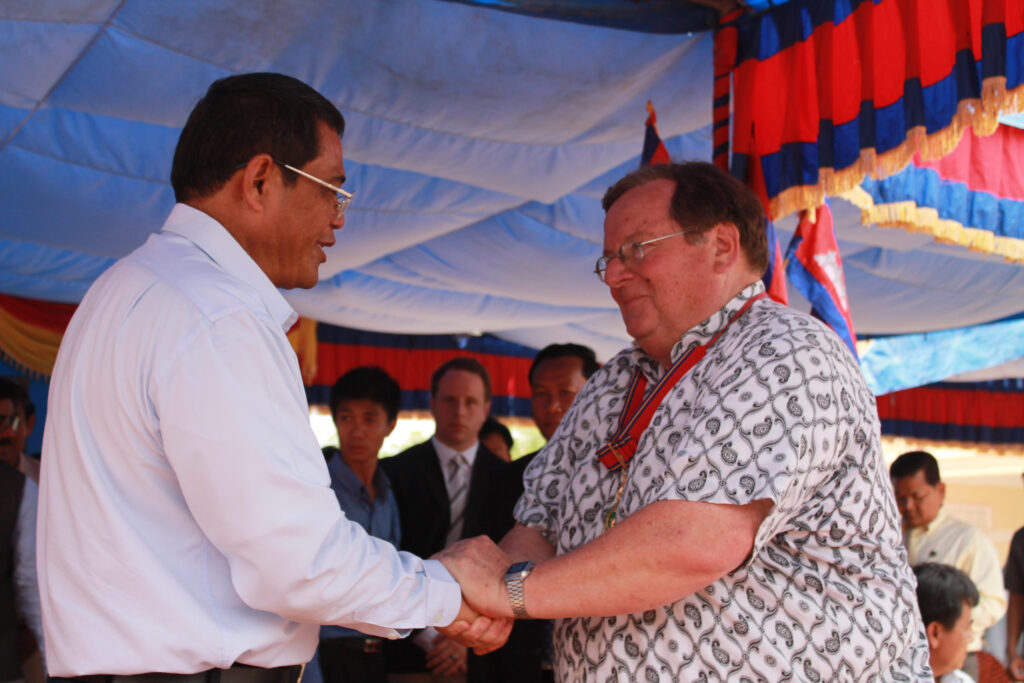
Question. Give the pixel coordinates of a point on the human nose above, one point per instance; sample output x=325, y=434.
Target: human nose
x=615, y=271
x=339, y=221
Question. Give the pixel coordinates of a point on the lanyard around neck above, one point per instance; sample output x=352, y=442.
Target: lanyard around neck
x=640, y=409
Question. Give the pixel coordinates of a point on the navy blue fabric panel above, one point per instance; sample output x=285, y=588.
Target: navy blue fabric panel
x=486, y=343
x=1014, y=385
x=939, y=102
x=993, y=50
x=953, y=432
x=739, y=167
x=890, y=125
x=652, y=16
x=501, y=406
x=794, y=164
x=765, y=35
x=966, y=73
x=1014, y=61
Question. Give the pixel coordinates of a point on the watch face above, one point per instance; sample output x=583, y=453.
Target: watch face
x=519, y=568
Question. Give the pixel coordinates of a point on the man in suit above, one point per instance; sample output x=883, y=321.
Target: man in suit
x=447, y=488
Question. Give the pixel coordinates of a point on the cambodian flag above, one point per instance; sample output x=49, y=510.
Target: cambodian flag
x=654, y=149
x=816, y=270
x=774, y=278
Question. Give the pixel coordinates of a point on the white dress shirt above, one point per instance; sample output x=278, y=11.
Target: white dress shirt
x=186, y=515
x=445, y=454
x=951, y=541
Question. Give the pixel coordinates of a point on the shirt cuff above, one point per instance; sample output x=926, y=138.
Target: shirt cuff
x=424, y=639
x=444, y=597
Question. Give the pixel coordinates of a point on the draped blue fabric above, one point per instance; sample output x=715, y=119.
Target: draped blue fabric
x=478, y=144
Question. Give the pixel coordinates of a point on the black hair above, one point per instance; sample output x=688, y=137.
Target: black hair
x=912, y=462
x=942, y=591
x=704, y=197
x=367, y=383
x=462, y=363
x=245, y=115
x=492, y=426
x=18, y=395
x=551, y=351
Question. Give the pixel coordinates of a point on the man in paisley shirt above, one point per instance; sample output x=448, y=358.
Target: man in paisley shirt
x=714, y=506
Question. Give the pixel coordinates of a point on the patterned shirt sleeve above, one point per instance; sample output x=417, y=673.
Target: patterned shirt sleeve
x=773, y=417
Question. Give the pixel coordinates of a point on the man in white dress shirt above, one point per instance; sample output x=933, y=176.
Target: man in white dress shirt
x=932, y=535
x=187, y=524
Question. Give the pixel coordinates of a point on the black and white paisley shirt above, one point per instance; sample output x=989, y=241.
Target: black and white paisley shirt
x=777, y=409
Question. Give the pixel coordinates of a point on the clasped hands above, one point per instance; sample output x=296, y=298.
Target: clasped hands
x=485, y=617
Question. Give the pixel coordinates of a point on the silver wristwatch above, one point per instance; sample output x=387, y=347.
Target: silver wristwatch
x=514, y=577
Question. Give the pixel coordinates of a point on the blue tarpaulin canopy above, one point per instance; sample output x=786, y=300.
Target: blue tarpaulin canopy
x=478, y=145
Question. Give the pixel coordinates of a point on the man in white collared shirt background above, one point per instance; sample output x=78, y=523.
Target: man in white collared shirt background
x=931, y=535
x=187, y=525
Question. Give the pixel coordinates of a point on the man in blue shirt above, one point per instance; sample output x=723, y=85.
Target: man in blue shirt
x=364, y=403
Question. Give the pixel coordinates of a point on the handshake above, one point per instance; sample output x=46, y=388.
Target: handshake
x=485, y=618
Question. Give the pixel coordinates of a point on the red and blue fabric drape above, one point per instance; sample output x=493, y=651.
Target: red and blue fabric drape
x=412, y=359
x=825, y=91
x=30, y=333
x=979, y=412
x=973, y=196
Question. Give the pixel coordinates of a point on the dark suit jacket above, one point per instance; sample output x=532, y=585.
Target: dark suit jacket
x=423, y=507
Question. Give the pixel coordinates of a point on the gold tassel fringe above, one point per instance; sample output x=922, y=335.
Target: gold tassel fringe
x=913, y=218
x=982, y=116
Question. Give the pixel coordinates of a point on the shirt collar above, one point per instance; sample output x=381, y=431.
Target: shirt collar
x=217, y=243
x=939, y=519
x=353, y=486
x=446, y=453
x=701, y=333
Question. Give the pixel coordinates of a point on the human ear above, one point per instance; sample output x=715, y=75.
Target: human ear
x=254, y=178
x=725, y=238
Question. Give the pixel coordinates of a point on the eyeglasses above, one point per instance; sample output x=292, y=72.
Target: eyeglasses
x=343, y=198
x=11, y=422
x=631, y=254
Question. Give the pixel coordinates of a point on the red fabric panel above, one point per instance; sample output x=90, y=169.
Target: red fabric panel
x=887, y=44
x=725, y=57
x=993, y=164
x=46, y=314
x=413, y=369
x=953, y=406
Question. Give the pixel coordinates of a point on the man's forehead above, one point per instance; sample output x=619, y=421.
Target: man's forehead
x=638, y=214
x=913, y=482
x=361, y=405
x=460, y=382
x=564, y=368
x=8, y=407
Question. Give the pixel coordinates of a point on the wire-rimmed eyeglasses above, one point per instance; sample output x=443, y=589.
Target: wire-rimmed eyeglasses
x=631, y=254
x=343, y=197
x=11, y=422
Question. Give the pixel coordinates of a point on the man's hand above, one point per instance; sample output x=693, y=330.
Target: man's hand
x=446, y=658
x=1016, y=667
x=479, y=566
x=471, y=629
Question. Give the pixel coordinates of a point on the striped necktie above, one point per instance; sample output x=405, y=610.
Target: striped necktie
x=458, y=490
